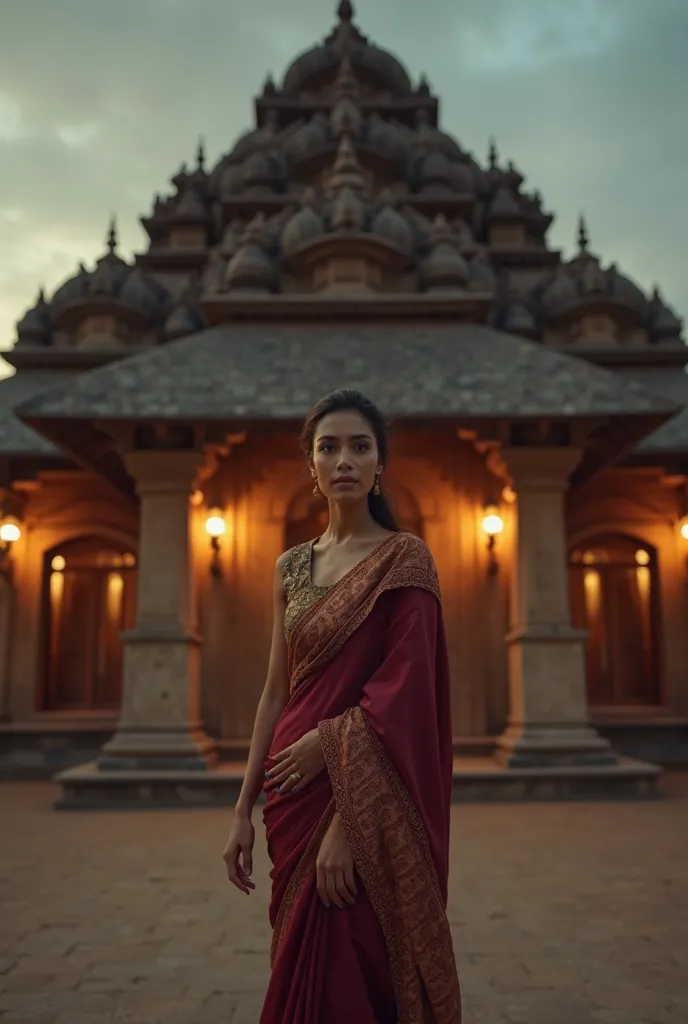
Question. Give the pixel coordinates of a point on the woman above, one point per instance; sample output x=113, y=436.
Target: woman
x=353, y=736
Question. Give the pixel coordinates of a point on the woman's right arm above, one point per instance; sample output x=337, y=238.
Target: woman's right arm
x=238, y=853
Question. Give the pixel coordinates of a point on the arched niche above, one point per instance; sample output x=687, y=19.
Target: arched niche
x=614, y=591
x=89, y=599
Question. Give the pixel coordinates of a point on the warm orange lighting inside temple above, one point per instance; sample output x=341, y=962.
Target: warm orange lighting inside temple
x=115, y=589
x=684, y=527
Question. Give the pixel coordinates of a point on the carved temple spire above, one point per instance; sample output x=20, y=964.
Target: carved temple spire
x=112, y=240
x=345, y=11
x=583, y=236
x=347, y=171
x=200, y=154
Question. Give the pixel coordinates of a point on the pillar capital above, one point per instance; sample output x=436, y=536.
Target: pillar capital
x=164, y=471
x=541, y=468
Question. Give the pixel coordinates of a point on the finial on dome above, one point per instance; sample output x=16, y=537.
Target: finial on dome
x=112, y=237
x=583, y=237
x=200, y=154
x=493, y=153
x=345, y=11
x=269, y=87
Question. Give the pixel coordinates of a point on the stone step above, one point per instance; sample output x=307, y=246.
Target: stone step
x=478, y=779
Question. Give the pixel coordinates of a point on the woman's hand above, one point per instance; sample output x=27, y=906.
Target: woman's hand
x=303, y=758
x=335, y=868
x=238, y=853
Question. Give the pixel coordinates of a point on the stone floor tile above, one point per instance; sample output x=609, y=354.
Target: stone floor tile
x=561, y=914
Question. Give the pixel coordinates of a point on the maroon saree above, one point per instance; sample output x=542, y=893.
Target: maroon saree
x=368, y=668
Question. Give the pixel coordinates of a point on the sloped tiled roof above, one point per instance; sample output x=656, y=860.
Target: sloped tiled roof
x=276, y=372
x=673, y=435
x=15, y=437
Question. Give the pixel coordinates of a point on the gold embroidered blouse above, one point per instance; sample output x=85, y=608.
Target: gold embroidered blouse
x=299, y=590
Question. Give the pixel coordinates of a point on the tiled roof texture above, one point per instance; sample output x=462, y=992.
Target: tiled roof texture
x=276, y=372
x=15, y=437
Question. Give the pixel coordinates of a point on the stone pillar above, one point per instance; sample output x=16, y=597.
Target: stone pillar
x=548, y=719
x=160, y=726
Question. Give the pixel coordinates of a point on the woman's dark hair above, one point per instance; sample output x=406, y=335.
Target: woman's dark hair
x=346, y=400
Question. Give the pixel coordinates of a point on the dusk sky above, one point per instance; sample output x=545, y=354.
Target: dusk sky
x=100, y=102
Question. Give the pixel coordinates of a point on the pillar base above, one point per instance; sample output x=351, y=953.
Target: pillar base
x=158, y=750
x=159, y=729
x=548, y=747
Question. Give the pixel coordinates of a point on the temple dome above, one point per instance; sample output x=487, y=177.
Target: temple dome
x=34, y=327
x=73, y=289
x=314, y=65
x=304, y=226
x=250, y=269
x=584, y=278
x=445, y=268
x=112, y=281
x=140, y=293
x=662, y=321
x=393, y=227
x=386, y=138
x=310, y=138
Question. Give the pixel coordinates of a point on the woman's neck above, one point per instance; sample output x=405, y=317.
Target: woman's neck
x=349, y=521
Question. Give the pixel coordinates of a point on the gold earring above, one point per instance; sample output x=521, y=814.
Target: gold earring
x=316, y=490
x=376, y=488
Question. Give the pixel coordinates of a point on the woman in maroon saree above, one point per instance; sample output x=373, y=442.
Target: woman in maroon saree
x=359, y=766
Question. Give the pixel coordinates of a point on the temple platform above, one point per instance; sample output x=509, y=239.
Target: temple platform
x=476, y=780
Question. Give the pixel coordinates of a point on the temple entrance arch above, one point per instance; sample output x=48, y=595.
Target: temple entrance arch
x=614, y=589
x=89, y=598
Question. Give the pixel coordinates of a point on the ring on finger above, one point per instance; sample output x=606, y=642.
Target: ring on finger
x=296, y=776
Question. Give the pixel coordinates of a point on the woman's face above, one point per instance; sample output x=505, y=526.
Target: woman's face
x=345, y=458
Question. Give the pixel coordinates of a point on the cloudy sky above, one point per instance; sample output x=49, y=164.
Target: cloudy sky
x=100, y=102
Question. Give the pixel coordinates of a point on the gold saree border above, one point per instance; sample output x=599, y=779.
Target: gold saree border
x=401, y=561
x=392, y=855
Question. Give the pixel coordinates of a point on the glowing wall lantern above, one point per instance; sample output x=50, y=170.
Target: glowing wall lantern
x=215, y=527
x=10, y=533
x=492, y=525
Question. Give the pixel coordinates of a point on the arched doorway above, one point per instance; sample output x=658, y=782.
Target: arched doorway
x=89, y=596
x=307, y=516
x=613, y=586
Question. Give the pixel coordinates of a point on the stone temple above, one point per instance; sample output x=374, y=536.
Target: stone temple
x=540, y=446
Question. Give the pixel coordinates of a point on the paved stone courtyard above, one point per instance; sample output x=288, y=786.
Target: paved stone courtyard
x=562, y=914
